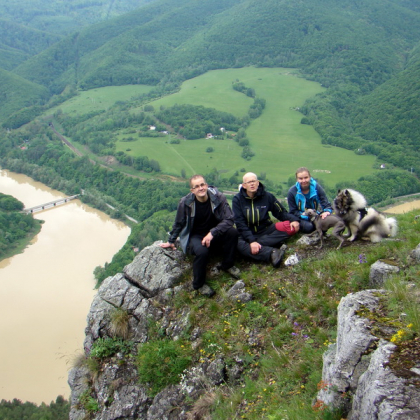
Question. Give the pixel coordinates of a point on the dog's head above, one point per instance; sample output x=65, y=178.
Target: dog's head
x=342, y=202
x=311, y=213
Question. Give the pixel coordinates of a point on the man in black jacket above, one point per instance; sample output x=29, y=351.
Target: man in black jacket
x=203, y=221
x=259, y=237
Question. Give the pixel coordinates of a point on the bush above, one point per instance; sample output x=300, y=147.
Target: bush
x=161, y=362
x=107, y=347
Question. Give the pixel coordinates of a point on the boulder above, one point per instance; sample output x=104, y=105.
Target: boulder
x=379, y=272
x=156, y=269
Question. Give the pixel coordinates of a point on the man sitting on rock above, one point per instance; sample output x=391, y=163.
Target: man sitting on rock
x=204, y=221
x=259, y=237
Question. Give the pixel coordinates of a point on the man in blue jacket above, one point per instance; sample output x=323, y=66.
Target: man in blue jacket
x=259, y=237
x=307, y=194
x=204, y=221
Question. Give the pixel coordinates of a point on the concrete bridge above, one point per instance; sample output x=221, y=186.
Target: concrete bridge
x=51, y=204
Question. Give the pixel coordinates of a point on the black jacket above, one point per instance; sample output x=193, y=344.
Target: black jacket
x=251, y=214
x=185, y=214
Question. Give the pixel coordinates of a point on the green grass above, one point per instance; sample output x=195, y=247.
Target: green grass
x=100, y=98
x=280, y=142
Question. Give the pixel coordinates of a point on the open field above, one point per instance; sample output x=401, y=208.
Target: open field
x=99, y=99
x=280, y=142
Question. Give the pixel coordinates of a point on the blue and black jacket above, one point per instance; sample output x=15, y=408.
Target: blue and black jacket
x=317, y=200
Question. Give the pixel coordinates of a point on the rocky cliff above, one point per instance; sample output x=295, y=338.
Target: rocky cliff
x=357, y=378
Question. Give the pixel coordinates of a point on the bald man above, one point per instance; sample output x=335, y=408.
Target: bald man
x=259, y=237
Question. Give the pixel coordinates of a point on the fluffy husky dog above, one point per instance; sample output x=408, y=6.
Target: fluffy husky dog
x=350, y=206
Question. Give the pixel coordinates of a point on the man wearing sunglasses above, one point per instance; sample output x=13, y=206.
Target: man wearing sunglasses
x=204, y=221
x=259, y=237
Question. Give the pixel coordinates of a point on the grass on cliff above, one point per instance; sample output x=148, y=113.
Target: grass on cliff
x=279, y=337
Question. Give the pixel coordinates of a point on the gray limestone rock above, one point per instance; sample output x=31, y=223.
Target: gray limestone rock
x=308, y=240
x=379, y=272
x=155, y=269
x=78, y=382
x=237, y=292
x=114, y=293
x=168, y=405
x=414, y=257
x=342, y=360
x=119, y=394
x=380, y=395
x=357, y=365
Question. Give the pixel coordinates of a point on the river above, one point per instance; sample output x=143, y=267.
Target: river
x=47, y=290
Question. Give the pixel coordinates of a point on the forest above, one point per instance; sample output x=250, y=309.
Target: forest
x=18, y=410
x=14, y=225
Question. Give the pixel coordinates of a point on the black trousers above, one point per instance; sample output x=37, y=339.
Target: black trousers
x=269, y=239
x=224, y=244
x=306, y=226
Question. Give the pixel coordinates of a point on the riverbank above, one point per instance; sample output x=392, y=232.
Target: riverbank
x=19, y=246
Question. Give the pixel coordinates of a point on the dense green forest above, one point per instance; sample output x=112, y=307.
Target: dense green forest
x=14, y=225
x=18, y=410
x=364, y=52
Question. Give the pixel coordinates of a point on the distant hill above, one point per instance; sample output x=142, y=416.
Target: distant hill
x=351, y=47
x=17, y=93
x=362, y=44
x=64, y=17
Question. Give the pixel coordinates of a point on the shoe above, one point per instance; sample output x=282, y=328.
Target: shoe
x=233, y=271
x=206, y=290
x=277, y=255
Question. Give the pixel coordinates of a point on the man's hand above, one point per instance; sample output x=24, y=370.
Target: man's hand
x=255, y=248
x=207, y=239
x=295, y=226
x=167, y=245
x=325, y=214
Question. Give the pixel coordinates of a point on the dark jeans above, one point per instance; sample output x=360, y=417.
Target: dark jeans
x=225, y=243
x=306, y=226
x=269, y=239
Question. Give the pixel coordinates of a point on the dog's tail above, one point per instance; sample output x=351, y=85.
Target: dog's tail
x=377, y=226
x=392, y=226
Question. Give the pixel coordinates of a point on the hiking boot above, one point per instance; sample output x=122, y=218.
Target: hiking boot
x=277, y=255
x=206, y=290
x=233, y=271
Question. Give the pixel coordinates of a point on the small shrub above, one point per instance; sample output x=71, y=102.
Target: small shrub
x=88, y=402
x=107, y=347
x=161, y=362
x=119, y=323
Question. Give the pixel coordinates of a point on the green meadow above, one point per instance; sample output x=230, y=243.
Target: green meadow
x=100, y=99
x=281, y=144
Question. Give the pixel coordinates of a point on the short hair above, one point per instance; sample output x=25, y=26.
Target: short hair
x=195, y=177
x=250, y=173
x=302, y=169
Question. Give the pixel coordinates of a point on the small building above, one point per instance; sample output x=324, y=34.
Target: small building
x=209, y=136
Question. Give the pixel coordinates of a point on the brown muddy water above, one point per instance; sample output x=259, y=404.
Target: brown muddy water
x=404, y=208
x=46, y=291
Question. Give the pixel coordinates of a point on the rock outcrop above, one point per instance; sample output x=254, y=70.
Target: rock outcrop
x=143, y=292
x=356, y=376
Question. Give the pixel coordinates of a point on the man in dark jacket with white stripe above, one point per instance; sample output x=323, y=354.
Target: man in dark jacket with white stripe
x=204, y=220
x=259, y=237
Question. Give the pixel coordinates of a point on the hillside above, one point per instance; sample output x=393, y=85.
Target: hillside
x=192, y=36
x=352, y=48
x=61, y=18
x=17, y=93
